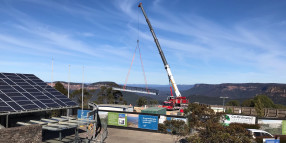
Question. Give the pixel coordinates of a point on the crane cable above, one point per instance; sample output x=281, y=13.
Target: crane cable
x=142, y=66
x=124, y=87
x=145, y=79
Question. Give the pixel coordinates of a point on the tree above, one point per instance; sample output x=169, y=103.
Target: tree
x=210, y=130
x=216, y=133
x=200, y=115
x=259, y=108
x=228, y=111
x=178, y=128
x=141, y=101
x=265, y=101
x=108, y=96
x=232, y=103
x=153, y=102
x=60, y=87
x=78, y=95
x=248, y=103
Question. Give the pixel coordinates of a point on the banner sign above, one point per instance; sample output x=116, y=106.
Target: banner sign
x=239, y=119
x=162, y=119
x=284, y=127
x=82, y=114
x=132, y=120
x=148, y=122
x=275, y=127
x=117, y=119
x=271, y=140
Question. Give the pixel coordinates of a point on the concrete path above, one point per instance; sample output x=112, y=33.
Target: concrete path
x=115, y=136
x=125, y=136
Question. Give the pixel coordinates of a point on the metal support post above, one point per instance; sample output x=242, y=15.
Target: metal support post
x=223, y=100
x=7, y=121
x=60, y=135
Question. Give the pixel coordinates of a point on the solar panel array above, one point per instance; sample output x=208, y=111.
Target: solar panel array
x=25, y=92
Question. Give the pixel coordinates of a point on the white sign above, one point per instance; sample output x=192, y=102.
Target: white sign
x=162, y=119
x=239, y=119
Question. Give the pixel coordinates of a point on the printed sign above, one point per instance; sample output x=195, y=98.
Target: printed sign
x=121, y=120
x=284, y=127
x=162, y=119
x=173, y=118
x=82, y=114
x=275, y=127
x=271, y=140
x=117, y=119
x=132, y=120
x=239, y=119
x=148, y=122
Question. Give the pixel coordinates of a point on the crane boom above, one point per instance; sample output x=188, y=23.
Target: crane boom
x=167, y=67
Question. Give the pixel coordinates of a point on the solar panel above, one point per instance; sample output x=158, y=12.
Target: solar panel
x=25, y=92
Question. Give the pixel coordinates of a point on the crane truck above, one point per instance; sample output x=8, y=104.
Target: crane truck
x=172, y=103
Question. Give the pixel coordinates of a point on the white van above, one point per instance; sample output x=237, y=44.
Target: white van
x=260, y=133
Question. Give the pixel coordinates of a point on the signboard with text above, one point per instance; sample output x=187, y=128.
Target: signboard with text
x=117, y=119
x=275, y=127
x=239, y=119
x=82, y=114
x=148, y=122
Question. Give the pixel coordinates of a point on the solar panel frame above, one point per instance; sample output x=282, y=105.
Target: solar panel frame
x=26, y=92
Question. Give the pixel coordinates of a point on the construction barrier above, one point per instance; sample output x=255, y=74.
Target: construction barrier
x=273, y=126
x=136, y=120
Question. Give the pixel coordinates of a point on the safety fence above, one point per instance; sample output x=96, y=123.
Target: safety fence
x=133, y=120
x=272, y=125
x=267, y=112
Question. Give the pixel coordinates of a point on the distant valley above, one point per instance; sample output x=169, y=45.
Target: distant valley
x=203, y=93
x=237, y=91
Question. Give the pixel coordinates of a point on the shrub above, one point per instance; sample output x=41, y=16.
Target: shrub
x=162, y=128
x=248, y=126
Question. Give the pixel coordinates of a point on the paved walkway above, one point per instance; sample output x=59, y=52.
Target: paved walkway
x=115, y=136
x=125, y=136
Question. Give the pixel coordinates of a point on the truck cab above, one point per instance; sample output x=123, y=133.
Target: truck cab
x=168, y=105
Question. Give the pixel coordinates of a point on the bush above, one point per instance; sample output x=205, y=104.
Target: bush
x=228, y=111
x=177, y=127
x=260, y=139
x=248, y=126
x=162, y=128
x=216, y=133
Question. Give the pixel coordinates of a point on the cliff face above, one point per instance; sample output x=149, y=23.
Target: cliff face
x=77, y=86
x=210, y=93
x=277, y=92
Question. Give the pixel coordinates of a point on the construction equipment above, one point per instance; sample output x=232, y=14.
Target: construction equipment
x=172, y=102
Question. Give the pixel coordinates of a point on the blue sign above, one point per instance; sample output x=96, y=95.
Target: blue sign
x=271, y=140
x=148, y=122
x=82, y=114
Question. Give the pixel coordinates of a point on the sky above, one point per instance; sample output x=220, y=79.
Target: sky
x=203, y=41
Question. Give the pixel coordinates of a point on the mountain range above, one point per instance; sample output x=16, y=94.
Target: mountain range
x=203, y=93
x=238, y=91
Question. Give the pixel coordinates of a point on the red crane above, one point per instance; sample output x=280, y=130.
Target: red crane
x=172, y=102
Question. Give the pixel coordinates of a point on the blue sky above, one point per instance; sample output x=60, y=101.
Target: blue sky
x=203, y=41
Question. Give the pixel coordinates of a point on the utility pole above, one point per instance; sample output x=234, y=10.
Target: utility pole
x=223, y=100
x=82, y=88
x=52, y=72
x=68, y=111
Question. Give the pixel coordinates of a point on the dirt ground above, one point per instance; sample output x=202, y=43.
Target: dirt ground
x=115, y=136
x=125, y=136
